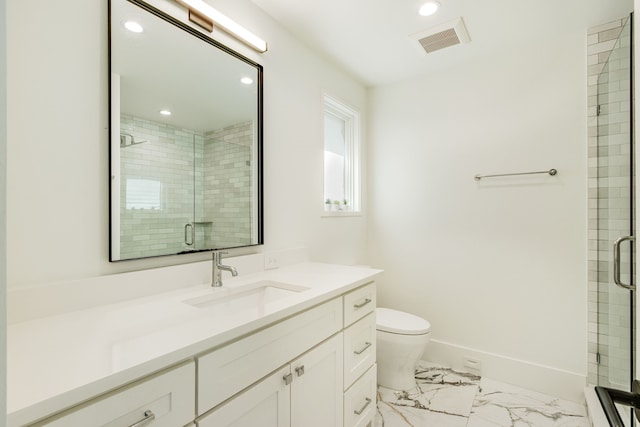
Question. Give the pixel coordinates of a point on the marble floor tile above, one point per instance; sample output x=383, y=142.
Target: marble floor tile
x=446, y=398
x=442, y=397
x=499, y=404
x=392, y=416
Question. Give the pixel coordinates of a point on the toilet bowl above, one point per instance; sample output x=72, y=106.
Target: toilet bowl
x=401, y=339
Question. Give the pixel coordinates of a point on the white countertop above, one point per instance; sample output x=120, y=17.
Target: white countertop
x=58, y=361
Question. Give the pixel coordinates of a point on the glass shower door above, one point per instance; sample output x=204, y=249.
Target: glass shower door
x=615, y=219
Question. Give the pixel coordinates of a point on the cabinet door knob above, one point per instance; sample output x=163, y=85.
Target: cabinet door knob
x=300, y=370
x=287, y=379
x=148, y=417
x=362, y=304
x=361, y=410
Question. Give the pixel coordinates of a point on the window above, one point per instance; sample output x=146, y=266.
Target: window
x=144, y=194
x=341, y=157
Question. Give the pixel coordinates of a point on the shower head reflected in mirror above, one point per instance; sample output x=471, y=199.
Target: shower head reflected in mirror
x=127, y=140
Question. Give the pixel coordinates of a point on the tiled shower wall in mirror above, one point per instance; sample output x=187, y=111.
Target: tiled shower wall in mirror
x=161, y=168
x=227, y=183
x=157, y=186
x=609, y=322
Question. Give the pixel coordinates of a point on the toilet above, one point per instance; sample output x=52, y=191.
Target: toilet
x=401, y=339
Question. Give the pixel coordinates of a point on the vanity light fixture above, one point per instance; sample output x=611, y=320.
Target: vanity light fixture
x=165, y=112
x=226, y=24
x=133, y=26
x=246, y=80
x=429, y=8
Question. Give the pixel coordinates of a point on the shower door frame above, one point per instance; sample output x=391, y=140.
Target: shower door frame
x=607, y=292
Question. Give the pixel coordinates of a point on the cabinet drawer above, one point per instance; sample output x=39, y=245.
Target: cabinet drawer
x=359, y=348
x=359, y=303
x=166, y=400
x=360, y=400
x=230, y=369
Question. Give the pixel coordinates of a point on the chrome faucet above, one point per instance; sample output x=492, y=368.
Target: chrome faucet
x=216, y=271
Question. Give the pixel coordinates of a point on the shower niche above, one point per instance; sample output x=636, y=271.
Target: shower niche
x=186, y=138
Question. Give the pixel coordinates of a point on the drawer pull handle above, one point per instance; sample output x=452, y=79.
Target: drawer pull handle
x=359, y=412
x=366, y=346
x=362, y=304
x=288, y=379
x=300, y=370
x=148, y=417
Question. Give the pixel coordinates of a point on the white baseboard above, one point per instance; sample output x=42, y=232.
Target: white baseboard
x=543, y=379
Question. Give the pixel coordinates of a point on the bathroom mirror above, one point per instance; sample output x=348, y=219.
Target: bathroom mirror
x=186, y=138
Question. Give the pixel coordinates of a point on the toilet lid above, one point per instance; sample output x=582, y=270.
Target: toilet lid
x=399, y=322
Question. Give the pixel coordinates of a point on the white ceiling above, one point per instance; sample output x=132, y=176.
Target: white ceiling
x=370, y=38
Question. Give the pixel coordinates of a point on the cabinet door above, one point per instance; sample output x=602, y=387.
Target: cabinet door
x=266, y=404
x=316, y=391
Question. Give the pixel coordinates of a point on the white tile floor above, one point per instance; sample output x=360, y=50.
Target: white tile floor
x=446, y=398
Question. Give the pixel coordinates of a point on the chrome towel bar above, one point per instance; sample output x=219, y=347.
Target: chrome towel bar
x=550, y=172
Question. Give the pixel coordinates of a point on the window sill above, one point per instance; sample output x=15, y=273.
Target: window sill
x=338, y=214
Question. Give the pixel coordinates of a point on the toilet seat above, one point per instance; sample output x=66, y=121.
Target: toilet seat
x=398, y=322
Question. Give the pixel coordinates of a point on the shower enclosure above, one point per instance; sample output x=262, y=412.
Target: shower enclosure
x=615, y=219
x=182, y=190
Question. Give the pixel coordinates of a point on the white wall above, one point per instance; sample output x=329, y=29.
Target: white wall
x=497, y=266
x=58, y=143
x=3, y=239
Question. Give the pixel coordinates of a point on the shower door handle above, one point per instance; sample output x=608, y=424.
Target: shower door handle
x=186, y=234
x=616, y=262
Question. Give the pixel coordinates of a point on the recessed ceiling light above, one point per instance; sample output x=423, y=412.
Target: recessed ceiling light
x=429, y=8
x=165, y=112
x=246, y=80
x=133, y=26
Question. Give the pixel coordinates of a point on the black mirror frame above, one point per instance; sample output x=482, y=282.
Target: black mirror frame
x=259, y=128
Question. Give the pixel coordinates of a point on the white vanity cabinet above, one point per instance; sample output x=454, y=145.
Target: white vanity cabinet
x=332, y=384
x=225, y=371
x=360, y=377
x=162, y=400
x=306, y=392
x=310, y=366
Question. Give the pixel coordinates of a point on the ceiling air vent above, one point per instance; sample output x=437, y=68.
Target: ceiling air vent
x=448, y=34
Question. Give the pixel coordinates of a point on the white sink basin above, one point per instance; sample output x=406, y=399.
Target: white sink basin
x=242, y=297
